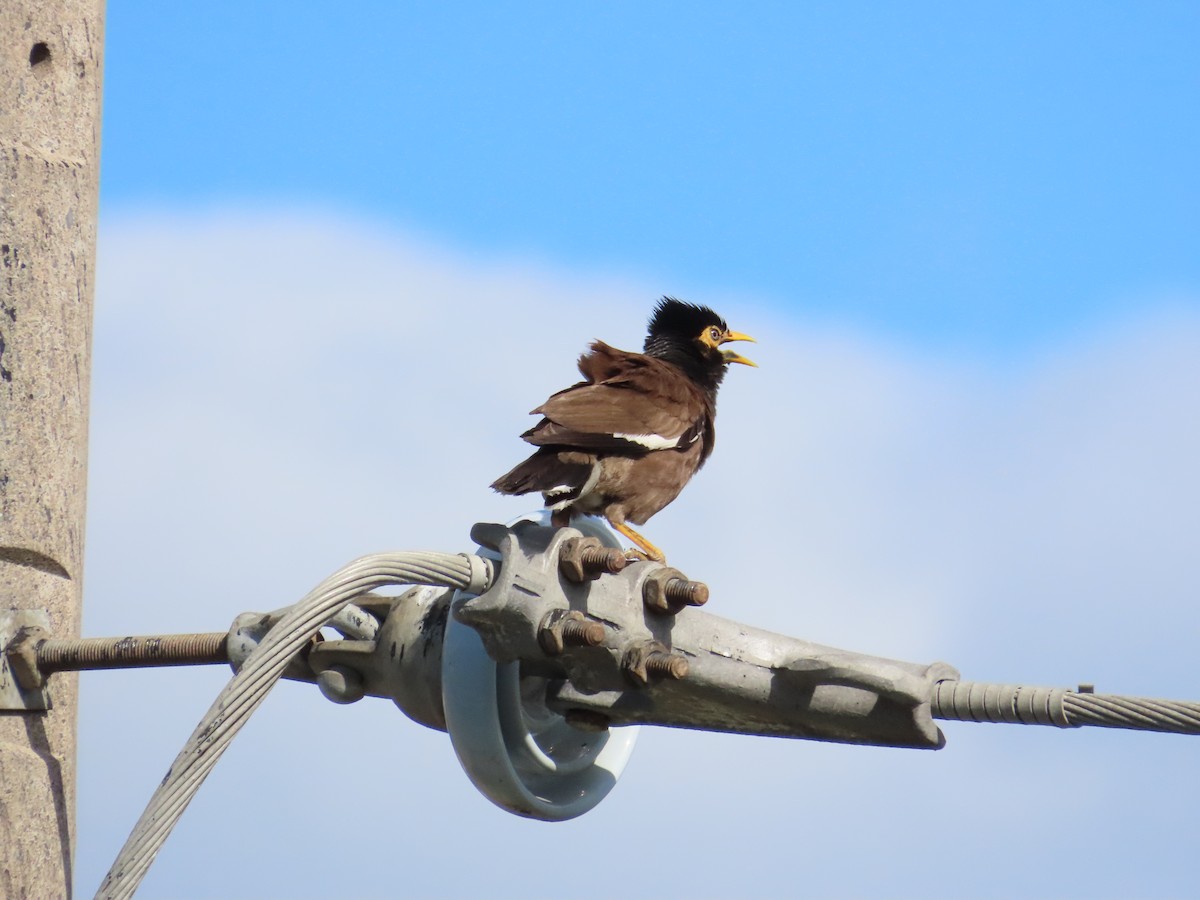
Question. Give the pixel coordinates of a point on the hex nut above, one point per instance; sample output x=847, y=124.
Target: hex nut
x=562, y=628
x=668, y=590
x=587, y=558
x=651, y=659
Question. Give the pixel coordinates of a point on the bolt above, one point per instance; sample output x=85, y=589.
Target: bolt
x=686, y=593
x=667, y=665
x=582, y=634
x=129, y=652
x=563, y=628
x=667, y=591
x=35, y=656
x=604, y=560
x=586, y=559
x=652, y=659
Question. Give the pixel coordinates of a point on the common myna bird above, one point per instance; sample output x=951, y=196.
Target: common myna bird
x=623, y=442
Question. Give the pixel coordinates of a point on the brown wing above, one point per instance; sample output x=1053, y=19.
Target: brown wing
x=630, y=402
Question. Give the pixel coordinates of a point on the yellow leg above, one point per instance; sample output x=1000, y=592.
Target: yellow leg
x=646, y=550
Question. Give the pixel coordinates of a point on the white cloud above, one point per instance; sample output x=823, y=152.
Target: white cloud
x=277, y=394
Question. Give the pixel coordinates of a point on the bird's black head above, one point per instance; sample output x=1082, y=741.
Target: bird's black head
x=690, y=336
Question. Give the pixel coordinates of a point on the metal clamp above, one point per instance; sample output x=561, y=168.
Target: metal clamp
x=22, y=689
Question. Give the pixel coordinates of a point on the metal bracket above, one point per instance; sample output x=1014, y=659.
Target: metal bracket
x=660, y=661
x=15, y=627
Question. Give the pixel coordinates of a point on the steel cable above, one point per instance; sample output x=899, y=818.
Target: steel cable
x=974, y=701
x=1109, y=711
x=262, y=669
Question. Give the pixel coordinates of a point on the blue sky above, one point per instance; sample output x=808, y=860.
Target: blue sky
x=343, y=250
x=983, y=176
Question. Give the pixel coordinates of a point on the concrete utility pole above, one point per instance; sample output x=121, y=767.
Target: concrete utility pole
x=50, y=79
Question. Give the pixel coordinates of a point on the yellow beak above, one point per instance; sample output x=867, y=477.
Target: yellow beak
x=732, y=357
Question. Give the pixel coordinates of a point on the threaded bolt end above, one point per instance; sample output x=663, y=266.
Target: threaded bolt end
x=582, y=634
x=603, y=561
x=685, y=593
x=132, y=652
x=667, y=665
x=586, y=559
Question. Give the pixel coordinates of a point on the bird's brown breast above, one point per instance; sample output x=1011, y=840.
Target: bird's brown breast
x=634, y=488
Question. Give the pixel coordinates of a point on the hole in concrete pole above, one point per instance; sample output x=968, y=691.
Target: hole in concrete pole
x=40, y=53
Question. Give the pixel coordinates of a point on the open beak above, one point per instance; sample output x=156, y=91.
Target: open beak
x=732, y=357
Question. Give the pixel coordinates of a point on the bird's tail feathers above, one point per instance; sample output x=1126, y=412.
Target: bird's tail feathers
x=545, y=471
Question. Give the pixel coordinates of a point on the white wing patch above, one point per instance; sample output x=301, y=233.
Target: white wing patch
x=563, y=495
x=650, y=441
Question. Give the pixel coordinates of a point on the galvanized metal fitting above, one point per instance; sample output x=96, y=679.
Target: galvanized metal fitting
x=587, y=720
x=667, y=591
x=22, y=654
x=651, y=659
x=562, y=628
x=23, y=686
x=586, y=559
x=341, y=684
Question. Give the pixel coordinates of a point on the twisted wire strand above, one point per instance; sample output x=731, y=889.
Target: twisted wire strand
x=974, y=701
x=1110, y=711
x=247, y=690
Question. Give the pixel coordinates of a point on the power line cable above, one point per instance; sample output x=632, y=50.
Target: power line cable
x=247, y=690
x=977, y=701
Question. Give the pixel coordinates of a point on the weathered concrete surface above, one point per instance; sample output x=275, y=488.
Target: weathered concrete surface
x=50, y=81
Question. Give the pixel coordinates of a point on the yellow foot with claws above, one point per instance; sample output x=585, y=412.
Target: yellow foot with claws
x=633, y=553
